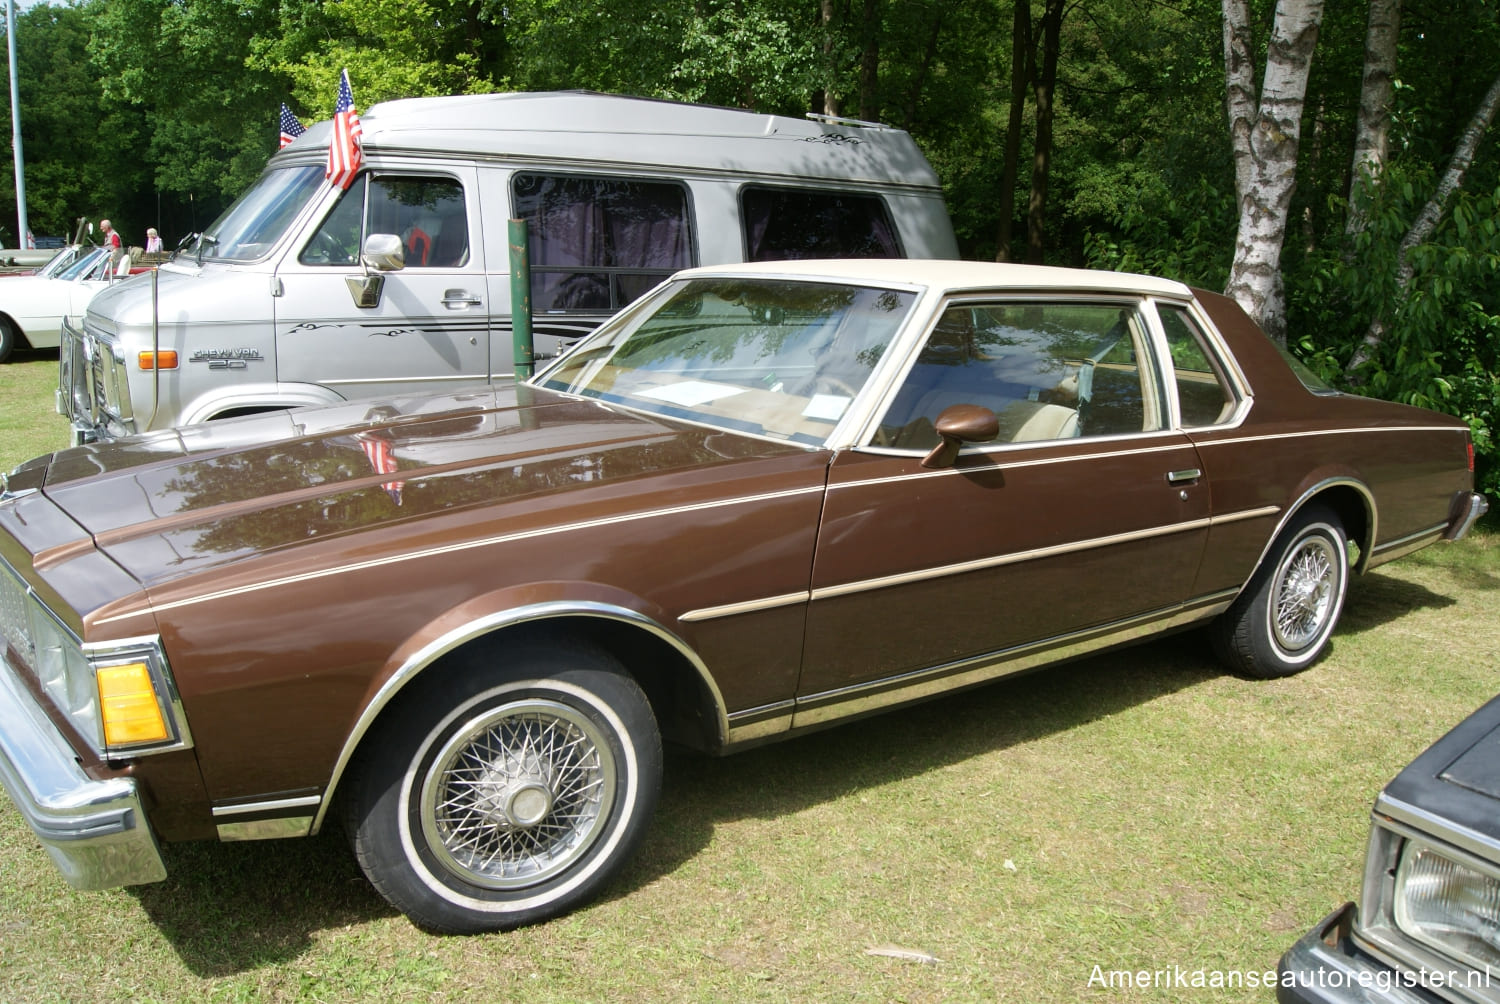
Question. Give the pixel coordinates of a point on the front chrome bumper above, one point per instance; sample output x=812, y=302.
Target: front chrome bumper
x=95, y=831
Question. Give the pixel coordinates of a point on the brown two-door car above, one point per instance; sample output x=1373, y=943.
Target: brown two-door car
x=762, y=499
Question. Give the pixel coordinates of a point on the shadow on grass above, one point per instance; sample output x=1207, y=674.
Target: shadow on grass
x=229, y=908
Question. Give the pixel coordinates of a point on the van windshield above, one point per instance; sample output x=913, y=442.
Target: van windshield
x=251, y=227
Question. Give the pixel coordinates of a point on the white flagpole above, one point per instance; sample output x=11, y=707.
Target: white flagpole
x=23, y=228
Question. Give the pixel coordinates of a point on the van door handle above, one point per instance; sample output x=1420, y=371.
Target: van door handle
x=453, y=299
x=1178, y=477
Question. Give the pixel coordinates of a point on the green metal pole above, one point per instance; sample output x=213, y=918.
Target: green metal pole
x=522, y=349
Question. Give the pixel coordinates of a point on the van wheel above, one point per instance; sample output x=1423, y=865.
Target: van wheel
x=506, y=796
x=1281, y=623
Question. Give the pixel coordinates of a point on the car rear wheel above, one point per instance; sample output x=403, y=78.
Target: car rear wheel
x=1281, y=623
x=496, y=799
x=7, y=340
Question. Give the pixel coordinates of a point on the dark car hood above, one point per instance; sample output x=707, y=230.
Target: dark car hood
x=172, y=503
x=1456, y=780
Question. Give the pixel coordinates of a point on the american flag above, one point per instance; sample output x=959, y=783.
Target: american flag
x=382, y=457
x=343, y=141
x=290, y=127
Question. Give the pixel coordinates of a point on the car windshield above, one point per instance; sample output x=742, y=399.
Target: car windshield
x=251, y=227
x=60, y=261
x=771, y=357
x=83, y=266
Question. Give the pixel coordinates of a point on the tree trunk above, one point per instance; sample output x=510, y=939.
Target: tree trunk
x=929, y=56
x=1021, y=67
x=825, y=20
x=1431, y=215
x=1041, y=162
x=1372, y=132
x=1265, y=139
x=869, y=63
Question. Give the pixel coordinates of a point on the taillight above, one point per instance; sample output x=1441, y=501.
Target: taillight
x=1470, y=444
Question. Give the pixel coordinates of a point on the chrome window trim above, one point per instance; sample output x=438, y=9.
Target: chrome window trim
x=1229, y=367
x=450, y=640
x=1173, y=437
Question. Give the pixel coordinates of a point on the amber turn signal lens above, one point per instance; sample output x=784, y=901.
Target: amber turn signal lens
x=128, y=706
x=166, y=359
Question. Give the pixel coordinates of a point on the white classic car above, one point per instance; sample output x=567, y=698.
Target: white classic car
x=32, y=307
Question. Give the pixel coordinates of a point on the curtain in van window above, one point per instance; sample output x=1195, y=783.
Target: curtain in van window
x=596, y=242
x=784, y=224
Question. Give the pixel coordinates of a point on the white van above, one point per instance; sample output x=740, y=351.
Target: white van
x=300, y=294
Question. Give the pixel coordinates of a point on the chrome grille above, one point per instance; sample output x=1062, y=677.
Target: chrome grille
x=96, y=378
x=14, y=626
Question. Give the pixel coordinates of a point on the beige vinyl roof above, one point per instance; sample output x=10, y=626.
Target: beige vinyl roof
x=958, y=276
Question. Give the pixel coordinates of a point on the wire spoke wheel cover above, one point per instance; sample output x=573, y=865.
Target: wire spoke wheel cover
x=517, y=794
x=1304, y=591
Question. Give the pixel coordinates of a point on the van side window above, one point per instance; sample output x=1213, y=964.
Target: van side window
x=599, y=242
x=426, y=213
x=789, y=223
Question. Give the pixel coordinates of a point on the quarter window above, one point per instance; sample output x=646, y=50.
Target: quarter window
x=597, y=243
x=1203, y=396
x=1047, y=370
x=793, y=223
x=426, y=213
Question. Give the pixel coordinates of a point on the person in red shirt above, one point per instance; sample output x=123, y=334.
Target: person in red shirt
x=112, y=241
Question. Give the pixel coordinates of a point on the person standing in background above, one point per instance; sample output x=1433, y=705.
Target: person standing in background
x=112, y=241
x=153, y=240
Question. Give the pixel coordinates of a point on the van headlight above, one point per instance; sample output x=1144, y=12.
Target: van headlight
x=1448, y=905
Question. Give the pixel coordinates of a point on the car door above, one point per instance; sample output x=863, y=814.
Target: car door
x=1082, y=523
x=428, y=328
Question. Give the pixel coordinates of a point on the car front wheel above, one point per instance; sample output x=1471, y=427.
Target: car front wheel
x=501, y=798
x=1281, y=623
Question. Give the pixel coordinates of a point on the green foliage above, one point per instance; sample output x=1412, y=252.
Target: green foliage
x=1180, y=236
x=1441, y=346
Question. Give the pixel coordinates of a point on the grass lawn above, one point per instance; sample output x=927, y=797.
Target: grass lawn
x=1140, y=810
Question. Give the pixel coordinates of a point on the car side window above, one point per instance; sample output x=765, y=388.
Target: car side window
x=428, y=214
x=1203, y=395
x=783, y=224
x=1047, y=370
x=599, y=242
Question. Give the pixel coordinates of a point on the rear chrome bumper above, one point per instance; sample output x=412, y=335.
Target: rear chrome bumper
x=95, y=831
x=1467, y=507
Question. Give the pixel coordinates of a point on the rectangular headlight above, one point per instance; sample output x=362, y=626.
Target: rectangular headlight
x=1448, y=905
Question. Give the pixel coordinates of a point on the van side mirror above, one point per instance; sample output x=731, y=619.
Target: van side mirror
x=383, y=253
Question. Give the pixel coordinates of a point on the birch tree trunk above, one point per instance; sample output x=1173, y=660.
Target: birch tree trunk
x=1428, y=219
x=1372, y=131
x=1265, y=138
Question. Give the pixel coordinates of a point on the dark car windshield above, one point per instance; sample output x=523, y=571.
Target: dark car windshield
x=768, y=356
x=251, y=227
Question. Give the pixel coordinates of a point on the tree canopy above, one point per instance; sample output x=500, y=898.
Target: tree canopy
x=1075, y=132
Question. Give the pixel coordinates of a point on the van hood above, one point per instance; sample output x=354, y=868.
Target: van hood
x=168, y=504
x=231, y=299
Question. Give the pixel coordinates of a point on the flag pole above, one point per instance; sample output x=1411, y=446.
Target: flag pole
x=23, y=226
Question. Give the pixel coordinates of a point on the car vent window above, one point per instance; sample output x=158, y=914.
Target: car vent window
x=1203, y=395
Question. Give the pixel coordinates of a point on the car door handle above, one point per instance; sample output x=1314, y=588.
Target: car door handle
x=1188, y=474
x=456, y=298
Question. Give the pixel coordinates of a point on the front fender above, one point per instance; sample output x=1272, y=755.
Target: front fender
x=267, y=396
x=497, y=611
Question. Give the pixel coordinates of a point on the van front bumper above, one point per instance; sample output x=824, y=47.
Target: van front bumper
x=95, y=830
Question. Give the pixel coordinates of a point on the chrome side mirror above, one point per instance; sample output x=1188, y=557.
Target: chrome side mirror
x=383, y=253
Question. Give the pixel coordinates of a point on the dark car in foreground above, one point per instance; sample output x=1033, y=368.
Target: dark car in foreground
x=761, y=500
x=1427, y=928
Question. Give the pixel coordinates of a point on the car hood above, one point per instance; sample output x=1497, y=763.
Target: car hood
x=1456, y=781
x=170, y=504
